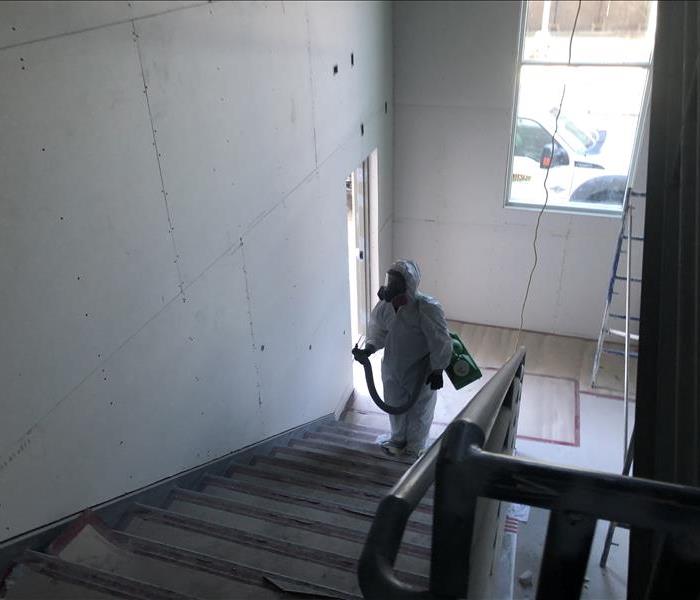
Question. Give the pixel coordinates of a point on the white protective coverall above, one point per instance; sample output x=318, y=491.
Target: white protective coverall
x=418, y=328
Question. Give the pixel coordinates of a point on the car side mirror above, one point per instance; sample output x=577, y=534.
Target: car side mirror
x=560, y=158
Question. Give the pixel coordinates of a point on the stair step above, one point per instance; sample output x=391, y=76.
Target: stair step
x=365, y=481
x=112, y=553
x=27, y=584
x=359, y=428
x=225, y=568
x=370, y=483
x=352, y=434
x=344, y=442
x=98, y=579
x=344, y=513
x=317, y=458
x=362, y=501
x=333, y=479
x=272, y=524
x=330, y=449
x=290, y=560
x=305, y=508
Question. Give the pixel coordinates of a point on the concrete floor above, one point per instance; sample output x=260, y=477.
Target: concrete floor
x=558, y=371
x=600, y=449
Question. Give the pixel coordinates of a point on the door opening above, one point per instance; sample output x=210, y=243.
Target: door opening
x=357, y=186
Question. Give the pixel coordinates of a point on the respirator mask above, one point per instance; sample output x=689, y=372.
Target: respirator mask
x=394, y=285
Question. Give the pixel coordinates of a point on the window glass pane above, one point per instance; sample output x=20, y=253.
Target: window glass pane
x=607, y=32
x=594, y=139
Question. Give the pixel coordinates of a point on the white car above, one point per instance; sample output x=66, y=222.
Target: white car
x=573, y=170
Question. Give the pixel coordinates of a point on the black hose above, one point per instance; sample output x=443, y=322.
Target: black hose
x=363, y=359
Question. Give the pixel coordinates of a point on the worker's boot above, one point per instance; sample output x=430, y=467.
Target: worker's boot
x=389, y=445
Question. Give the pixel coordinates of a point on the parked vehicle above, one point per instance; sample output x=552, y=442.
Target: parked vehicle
x=567, y=159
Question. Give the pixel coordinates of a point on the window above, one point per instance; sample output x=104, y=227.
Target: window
x=586, y=149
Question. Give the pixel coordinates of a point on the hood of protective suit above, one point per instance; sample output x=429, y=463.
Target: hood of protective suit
x=410, y=272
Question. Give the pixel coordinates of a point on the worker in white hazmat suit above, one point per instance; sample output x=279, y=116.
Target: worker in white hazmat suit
x=411, y=328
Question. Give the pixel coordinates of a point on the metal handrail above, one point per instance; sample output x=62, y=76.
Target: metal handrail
x=470, y=465
x=576, y=498
x=376, y=565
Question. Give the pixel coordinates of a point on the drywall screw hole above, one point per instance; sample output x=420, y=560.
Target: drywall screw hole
x=14, y=29
x=86, y=314
x=352, y=59
x=335, y=69
x=61, y=218
x=386, y=107
x=362, y=129
x=24, y=69
x=309, y=346
x=43, y=149
x=262, y=348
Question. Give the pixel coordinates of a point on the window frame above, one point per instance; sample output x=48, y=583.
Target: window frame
x=578, y=208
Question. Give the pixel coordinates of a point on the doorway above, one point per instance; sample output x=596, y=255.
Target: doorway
x=358, y=186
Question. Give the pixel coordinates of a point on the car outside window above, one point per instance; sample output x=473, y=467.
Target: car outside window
x=530, y=139
x=595, y=129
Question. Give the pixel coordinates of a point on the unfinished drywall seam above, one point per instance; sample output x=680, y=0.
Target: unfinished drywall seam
x=311, y=77
x=24, y=440
x=557, y=302
x=249, y=307
x=171, y=229
x=103, y=26
x=13, y=450
x=314, y=172
x=20, y=444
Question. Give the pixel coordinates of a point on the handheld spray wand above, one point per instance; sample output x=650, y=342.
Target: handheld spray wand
x=361, y=357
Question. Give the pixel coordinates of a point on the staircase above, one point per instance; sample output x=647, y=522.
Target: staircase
x=289, y=523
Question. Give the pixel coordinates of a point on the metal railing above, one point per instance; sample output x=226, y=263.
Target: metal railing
x=469, y=467
x=491, y=415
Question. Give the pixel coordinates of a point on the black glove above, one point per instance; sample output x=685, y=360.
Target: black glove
x=362, y=354
x=435, y=380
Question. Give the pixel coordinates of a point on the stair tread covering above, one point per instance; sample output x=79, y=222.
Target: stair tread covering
x=289, y=524
x=294, y=504
x=370, y=448
x=364, y=502
x=27, y=584
x=94, y=548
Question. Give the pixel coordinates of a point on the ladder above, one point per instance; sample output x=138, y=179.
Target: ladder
x=611, y=527
x=624, y=246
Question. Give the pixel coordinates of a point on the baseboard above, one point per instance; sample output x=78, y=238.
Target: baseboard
x=343, y=404
x=112, y=511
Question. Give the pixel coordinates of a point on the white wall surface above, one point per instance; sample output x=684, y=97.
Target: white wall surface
x=454, y=78
x=172, y=233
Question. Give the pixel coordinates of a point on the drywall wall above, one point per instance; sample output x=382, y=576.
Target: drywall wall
x=172, y=233
x=454, y=82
